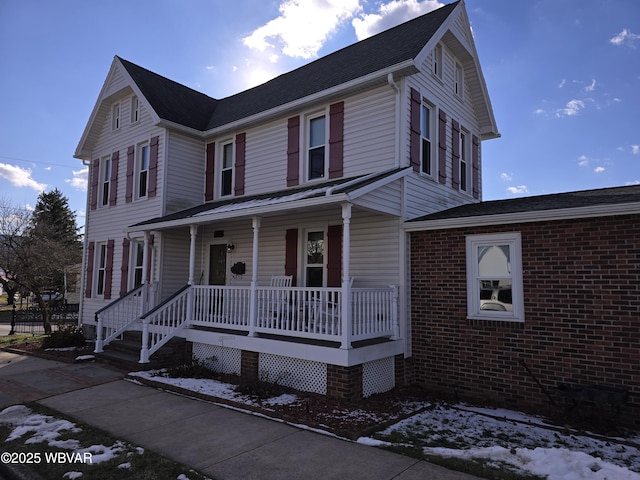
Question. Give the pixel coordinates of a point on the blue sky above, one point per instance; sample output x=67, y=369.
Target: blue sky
x=563, y=77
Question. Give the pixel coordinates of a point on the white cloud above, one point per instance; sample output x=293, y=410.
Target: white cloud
x=80, y=179
x=505, y=176
x=538, y=111
x=20, y=177
x=592, y=87
x=572, y=108
x=302, y=27
x=520, y=189
x=391, y=14
x=562, y=82
x=598, y=169
x=583, y=161
x=635, y=149
x=625, y=37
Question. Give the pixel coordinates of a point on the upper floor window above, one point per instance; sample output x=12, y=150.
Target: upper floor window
x=494, y=277
x=115, y=117
x=142, y=170
x=316, y=148
x=464, y=161
x=135, y=109
x=226, y=172
x=426, y=143
x=105, y=180
x=458, y=81
x=437, y=61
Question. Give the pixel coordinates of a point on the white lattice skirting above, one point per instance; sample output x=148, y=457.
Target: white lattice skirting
x=217, y=358
x=378, y=376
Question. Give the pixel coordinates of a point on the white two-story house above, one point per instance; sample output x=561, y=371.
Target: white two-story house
x=266, y=228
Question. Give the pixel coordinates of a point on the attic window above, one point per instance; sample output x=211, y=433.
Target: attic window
x=458, y=81
x=437, y=61
x=115, y=117
x=135, y=109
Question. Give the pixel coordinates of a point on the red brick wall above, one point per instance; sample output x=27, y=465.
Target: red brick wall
x=581, y=282
x=344, y=383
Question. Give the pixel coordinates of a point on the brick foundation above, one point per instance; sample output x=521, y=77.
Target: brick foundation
x=581, y=285
x=249, y=365
x=344, y=383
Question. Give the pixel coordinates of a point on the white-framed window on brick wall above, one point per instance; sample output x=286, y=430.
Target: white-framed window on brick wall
x=494, y=277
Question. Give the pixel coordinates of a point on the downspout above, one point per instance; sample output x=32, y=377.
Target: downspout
x=396, y=89
x=83, y=274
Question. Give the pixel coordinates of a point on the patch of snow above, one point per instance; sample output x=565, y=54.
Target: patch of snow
x=61, y=349
x=72, y=475
x=101, y=453
x=125, y=466
x=82, y=358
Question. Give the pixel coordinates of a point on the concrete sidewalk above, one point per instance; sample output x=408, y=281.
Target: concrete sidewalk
x=218, y=441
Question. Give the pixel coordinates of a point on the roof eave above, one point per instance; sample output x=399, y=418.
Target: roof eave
x=406, y=67
x=525, y=217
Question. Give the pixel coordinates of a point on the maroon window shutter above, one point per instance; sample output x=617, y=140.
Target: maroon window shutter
x=95, y=171
x=113, y=187
x=442, y=146
x=293, y=151
x=130, y=167
x=124, y=276
x=240, y=161
x=108, y=271
x=209, y=175
x=475, y=159
x=149, y=257
x=334, y=256
x=291, y=254
x=90, y=260
x=153, y=167
x=455, y=154
x=414, y=142
x=336, y=140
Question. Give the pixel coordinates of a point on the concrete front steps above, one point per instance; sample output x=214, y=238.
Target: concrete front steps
x=125, y=353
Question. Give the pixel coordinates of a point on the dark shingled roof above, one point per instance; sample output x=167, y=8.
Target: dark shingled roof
x=185, y=106
x=582, y=198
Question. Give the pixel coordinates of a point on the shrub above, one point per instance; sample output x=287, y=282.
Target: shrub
x=66, y=336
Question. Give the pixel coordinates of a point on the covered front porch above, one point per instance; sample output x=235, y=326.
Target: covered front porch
x=257, y=282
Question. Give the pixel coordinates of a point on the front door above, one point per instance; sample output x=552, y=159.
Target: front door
x=218, y=264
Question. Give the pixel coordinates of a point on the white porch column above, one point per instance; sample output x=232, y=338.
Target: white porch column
x=193, y=231
x=253, y=307
x=346, y=310
x=144, y=305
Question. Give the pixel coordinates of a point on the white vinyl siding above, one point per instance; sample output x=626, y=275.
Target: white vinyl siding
x=185, y=172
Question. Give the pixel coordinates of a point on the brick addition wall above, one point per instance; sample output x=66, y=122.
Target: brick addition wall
x=581, y=282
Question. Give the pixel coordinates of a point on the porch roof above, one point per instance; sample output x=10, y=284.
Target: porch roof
x=332, y=192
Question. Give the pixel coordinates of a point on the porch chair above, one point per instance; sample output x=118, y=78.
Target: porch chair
x=279, y=300
x=330, y=311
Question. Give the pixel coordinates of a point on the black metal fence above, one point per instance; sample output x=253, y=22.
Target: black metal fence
x=29, y=320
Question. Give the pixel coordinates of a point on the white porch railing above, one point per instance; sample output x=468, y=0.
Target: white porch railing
x=118, y=316
x=300, y=312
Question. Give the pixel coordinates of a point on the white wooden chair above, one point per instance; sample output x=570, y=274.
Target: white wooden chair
x=278, y=305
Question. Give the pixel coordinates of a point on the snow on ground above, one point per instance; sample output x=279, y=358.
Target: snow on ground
x=525, y=442
x=522, y=441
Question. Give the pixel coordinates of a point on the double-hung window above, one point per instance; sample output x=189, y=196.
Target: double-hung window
x=464, y=161
x=105, y=180
x=426, y=143
x=494, y=277
x=315, y=258
x=316, y=147
x=142, y=170
x=138, y=256
x=101, y=268
x=226, y=172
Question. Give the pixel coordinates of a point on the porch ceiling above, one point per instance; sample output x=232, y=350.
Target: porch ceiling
x=274, y=203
